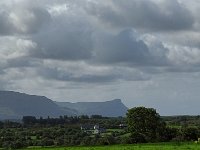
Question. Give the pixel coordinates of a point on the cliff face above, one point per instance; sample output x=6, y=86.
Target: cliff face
x=113, y=108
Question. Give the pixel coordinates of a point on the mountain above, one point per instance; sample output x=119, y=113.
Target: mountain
x=113, y=108
x=14, y=105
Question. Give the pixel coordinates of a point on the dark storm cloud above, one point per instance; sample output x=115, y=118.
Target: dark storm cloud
x=143, y=14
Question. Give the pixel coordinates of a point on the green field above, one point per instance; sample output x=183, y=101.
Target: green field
x=171, y=146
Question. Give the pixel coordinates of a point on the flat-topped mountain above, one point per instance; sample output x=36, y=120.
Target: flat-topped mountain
x=113, y=108
x=15, y=105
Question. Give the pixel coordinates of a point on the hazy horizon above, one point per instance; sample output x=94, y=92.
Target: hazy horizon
x=144, y=52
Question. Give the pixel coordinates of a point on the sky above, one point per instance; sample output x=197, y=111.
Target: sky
x=144, y=52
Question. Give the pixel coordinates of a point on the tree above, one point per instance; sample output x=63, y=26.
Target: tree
x=29, y=120
x=96, y=117
x=144, y=123
x=190, y=133
x=169, y=134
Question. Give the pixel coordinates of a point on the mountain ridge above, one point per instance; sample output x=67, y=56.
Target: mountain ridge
x=20, y=104
x=15, y=105
x=101, y=108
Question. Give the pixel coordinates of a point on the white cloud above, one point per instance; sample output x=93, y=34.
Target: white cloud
x=182, y=55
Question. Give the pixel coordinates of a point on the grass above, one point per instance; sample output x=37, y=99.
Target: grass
x=126, y=135
x=115, y=130
x=161, y=146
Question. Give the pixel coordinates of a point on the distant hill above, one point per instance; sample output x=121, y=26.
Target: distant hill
x=14, y=105
x=113, y=108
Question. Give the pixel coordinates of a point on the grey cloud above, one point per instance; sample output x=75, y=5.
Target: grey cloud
x=184, y=38
x=36, y=19
x=3, y=84
x=23, y=62
x=22, y=18
x=11, y=78
x=14, y=53
x=72, y=35
x=92, y=76
x=55, y=74
x=64, y=45
x=126, y=47
x=182, y=69
x=5, y=25
x=68, y=37
x=122, y=48
x=143, y=14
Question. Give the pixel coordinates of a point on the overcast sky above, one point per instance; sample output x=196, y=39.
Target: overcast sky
x=145, y=52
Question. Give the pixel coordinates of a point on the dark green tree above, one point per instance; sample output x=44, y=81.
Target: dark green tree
x=190, y=133
x=144, y=123
x=29, y=120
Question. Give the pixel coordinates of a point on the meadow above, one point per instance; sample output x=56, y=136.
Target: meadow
x=162, y=146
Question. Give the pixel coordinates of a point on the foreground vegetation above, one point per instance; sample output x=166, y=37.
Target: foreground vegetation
x=162, y=146
x=141, y=125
